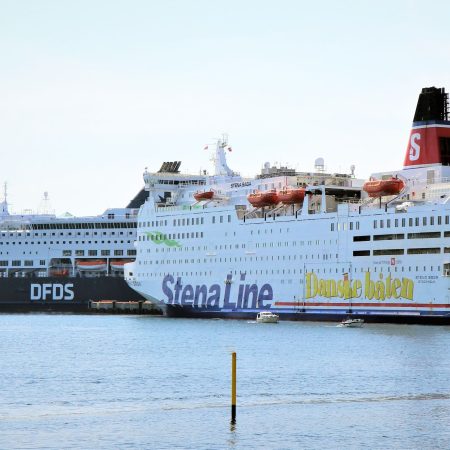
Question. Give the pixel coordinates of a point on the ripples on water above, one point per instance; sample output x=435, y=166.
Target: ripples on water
x=149, y=382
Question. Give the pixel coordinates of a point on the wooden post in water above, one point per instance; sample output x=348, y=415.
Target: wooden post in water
x=233, y=387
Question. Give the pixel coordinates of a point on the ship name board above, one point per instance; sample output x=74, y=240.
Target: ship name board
x=214, y=296
x=241, y=184
x=51, y=291
x=381, y=289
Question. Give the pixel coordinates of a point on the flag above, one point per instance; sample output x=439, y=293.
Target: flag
x=230, y=149
x=206, y=147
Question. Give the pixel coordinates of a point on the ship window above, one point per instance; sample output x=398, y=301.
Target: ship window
x=439, y=220
x=424, y=221
x=374, y=223
x=92, y=252
x=431, y=234
x=388, y=237
x=332, y=227
x=221, y=219
x=361, y=238
x=416, y=221
x=351, y=226
x=79, y=252
x=67, y=252
x=421, y=251
x=213, y=219
x=410, y=222
x=381, y=224
x=389, y=251
x=396, y=222
x=431, y=220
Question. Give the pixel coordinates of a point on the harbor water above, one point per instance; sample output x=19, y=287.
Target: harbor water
x=133, y=382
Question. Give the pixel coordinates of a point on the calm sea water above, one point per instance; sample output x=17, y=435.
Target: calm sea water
x=132, y=382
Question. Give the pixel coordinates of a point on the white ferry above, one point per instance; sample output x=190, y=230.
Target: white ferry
x=61, y=263
x=308, y=245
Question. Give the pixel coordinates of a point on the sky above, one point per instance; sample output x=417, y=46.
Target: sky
x=92, y=92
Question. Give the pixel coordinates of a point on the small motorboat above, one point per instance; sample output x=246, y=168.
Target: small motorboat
x=351, y=323
x=267, y=317
x=203, y=196
x=380, y=188
x=290, y=196
x=264, y=198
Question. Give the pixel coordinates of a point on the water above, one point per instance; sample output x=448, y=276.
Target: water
x=134, y=382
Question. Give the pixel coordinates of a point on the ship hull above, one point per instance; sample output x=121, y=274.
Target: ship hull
x=425, y=318
x=68, y=294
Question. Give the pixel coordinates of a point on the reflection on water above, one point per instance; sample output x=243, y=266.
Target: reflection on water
x=150, y=382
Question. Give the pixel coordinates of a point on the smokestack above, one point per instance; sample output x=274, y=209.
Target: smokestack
x=429, y=141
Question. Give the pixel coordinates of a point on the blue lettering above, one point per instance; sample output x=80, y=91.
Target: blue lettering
x=178, y=287
x=203, y=290
x=250, y=289
x=214, y=298
x=166, y=289
x=188, y=295
x=265, y=294
x=226, y=300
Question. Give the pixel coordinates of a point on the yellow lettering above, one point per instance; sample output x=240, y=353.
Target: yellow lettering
x=395, y=285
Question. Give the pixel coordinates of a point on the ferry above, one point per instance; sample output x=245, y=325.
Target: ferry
x=61, y=263
x=304, y=245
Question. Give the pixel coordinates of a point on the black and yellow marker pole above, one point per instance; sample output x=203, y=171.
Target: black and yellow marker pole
x=233, y=387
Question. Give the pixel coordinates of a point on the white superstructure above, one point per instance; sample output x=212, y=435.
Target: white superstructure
x=338, y=252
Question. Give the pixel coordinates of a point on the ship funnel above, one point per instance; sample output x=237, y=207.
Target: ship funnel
x=429, y=141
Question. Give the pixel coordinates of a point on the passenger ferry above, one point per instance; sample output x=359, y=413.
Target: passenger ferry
x=60, y=263
x=304, y=245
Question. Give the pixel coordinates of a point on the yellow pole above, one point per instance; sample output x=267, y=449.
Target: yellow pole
x=233, y=387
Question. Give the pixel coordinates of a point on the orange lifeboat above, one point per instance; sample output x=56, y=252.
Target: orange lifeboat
x=118, y=265
x=93, y=264
x=205, y=195
x=379, y=188
x=261, y=199
x=290, y=196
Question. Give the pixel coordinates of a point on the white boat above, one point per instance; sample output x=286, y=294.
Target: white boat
x=352, y=323
x=267, y=317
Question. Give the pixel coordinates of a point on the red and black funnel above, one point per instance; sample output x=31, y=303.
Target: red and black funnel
x=429, y=141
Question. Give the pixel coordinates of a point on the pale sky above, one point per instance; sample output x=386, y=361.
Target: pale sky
x=92, y=92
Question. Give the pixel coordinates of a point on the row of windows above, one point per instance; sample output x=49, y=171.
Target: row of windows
x=98, y=252
x=84, y=226
x=401, y=251
x=62, y=242
x=18, y=263
x=416, y=222
x=300, y=271
x=343, y=226
x=392, y=237
x=28, y=234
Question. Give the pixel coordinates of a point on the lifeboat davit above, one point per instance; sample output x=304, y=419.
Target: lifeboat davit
x=290, y=196
x=118, y=265
x=92, y=265
x=205, y=195
x=380, y=188
x=261, y=199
